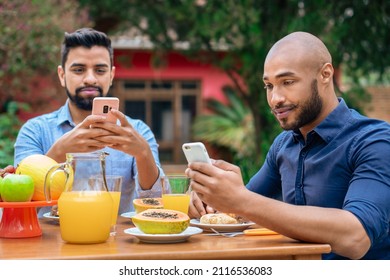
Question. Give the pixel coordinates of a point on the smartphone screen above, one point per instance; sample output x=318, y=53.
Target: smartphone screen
x=103, y=105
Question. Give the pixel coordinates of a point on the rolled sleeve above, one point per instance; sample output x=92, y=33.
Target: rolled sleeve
x=154, y=191
x=369, y=200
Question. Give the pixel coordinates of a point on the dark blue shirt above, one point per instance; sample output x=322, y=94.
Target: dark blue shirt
x=344, y=163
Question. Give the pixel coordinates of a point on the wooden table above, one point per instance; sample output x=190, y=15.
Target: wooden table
x=124, y=246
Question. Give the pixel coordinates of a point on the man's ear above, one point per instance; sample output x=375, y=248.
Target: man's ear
x=61, y=75
x=327, y=72
x=112, y=74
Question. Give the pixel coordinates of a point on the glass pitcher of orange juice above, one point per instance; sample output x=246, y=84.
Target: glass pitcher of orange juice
x=85, y=209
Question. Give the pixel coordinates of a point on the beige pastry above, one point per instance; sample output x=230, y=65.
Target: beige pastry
x=54, y=211
x=218, y=218
x=239, y=219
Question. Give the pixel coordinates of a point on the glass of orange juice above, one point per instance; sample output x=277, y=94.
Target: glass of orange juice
x=114, y=187
x=176, y=193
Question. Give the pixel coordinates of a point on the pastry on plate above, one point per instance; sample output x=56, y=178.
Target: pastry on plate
x=218, y=218
x=54, y=211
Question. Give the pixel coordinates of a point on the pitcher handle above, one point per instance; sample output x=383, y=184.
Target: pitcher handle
x=49, y=178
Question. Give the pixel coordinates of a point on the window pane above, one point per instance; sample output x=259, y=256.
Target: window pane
x=189, y=85
x=136, y=109
x=153, y=102
x=189, y=104
x=134, y=85
x=166, y=155
x=162, y=120
x=189, y=113
x=162, y=85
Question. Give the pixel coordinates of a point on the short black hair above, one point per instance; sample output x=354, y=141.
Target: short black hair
x=85, y=37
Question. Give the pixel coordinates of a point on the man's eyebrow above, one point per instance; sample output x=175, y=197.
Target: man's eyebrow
x=285, y=74
x=281, y=75
x=77, y=65
x=83, y=65
x=102, y=65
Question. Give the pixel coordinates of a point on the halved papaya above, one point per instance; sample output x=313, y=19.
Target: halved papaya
x=161, y=221
x=142, y=204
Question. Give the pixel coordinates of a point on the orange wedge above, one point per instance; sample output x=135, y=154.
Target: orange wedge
x=259, y=231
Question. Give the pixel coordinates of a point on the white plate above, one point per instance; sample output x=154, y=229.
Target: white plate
x=163, y=238
x=221, y=227
x=128, y=215
x=50, y=217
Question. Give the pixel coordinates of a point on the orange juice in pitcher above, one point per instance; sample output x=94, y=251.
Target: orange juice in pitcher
x=85, y=208
x=85, y=217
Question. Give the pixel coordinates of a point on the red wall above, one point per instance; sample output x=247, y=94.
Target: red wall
x=137, y=65
x=45, y=94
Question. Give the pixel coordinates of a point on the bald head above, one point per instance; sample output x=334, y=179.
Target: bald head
x=301, y=47
x=298, y=77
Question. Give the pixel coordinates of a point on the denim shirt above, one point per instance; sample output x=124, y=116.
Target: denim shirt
x=344, y=163
x=38, y=134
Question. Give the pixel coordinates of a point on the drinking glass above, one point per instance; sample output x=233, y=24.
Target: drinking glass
x=176, y=193
x=114, y=187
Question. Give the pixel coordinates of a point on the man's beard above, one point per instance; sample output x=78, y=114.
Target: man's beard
x=81, y=102
x=309, y=111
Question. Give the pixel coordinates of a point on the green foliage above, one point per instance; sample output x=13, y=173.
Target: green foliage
x=356, y=33
x=231, y=126
x=9, y=128
x=30, y=41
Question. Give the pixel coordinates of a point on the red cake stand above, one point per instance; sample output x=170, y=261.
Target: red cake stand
x=20, y=219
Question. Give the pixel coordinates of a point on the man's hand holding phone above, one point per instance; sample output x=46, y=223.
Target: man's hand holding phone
x=103, y=105
x=196, y=152
x=81, y=139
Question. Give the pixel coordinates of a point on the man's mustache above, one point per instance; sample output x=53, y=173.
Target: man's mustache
x=282, y=108
x=99, y=89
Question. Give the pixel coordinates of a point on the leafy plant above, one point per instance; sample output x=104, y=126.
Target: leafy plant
x=9, y=128
x=230, y=126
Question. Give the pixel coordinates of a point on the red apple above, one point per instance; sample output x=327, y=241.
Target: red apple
x=7, y=170
x=17, y=188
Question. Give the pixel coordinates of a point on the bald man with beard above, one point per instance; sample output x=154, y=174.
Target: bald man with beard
x=330, y=165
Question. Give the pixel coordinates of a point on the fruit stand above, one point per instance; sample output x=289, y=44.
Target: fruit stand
x=20, y=219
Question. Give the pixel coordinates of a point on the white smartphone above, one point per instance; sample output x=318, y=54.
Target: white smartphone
x=103, y=105
x=196, y=152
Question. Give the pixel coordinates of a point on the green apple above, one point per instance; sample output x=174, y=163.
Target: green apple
x=17, y=188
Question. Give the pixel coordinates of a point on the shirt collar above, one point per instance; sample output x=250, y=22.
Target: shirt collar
x=64, y=115
x=331, y=125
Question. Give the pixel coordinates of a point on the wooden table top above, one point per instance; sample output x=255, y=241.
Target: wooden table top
x=124, y=246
